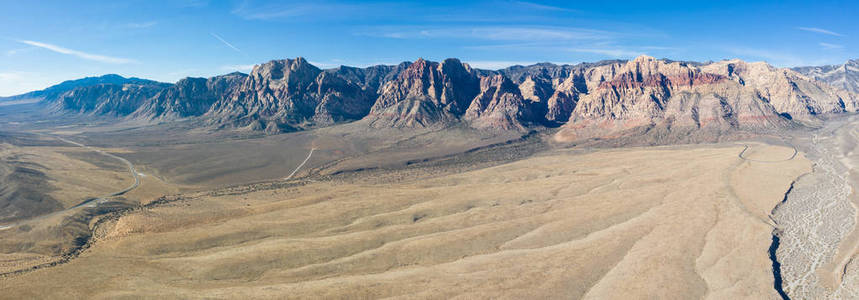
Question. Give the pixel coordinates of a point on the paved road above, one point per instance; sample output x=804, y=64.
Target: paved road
x=795, y=151
x=130, y=166
x=94, y=201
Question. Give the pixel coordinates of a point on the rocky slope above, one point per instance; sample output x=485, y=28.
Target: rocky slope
x=426, y=93
x=106, y=99
x=291, y=94
x=844, y=76
x=788, y=91
x=720, y=96
x=588, y=99
x=500, y=105
x=189, y=97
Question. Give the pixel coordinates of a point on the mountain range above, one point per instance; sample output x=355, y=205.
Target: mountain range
x=844, y=76
x=585, y=99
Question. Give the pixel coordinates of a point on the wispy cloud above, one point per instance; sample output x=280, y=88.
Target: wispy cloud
x=496, y=33
x=532, y=33
x=829, y=46
x=539, y=6
x=328, y=64
x=273, y=14
x=191, y=3
x=777, y=58
x=10, y=76
x=242, y=68
x=141, y=25
x=604, y=49
x=819, y=30
x=176, y=75
x=80, y=54
x=19, y=82
x=225, y=42
x=661, y=48
x=615, y=53
x=11, y=52
x=250, y=10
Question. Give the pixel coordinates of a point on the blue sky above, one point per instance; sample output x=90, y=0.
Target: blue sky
x=45, y=42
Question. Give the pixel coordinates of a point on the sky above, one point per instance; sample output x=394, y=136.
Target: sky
x=45, y=42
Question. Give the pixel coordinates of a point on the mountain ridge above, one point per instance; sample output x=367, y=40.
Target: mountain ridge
x=606, y=96
x=844, y=76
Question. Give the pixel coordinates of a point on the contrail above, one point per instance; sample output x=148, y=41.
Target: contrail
x=225, y=42
x=84, y=55
x=819, y=30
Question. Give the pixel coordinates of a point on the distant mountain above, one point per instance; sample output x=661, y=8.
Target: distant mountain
x=54, y=91
x=844, y=76
x=587, y=99
x=114, y=100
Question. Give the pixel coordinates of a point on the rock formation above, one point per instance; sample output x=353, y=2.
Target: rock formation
x=426, y=93
x=291, y=94
x=844, y=76
x=114, y=100
x=500, y=105
x=189, y=97
x=587, y=99
x=788, y=91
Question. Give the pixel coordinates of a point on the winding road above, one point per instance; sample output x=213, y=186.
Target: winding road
x=93, y=201
x=130, y=166
x=795, y=151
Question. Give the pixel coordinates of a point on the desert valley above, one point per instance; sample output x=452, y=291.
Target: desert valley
x=640, y=178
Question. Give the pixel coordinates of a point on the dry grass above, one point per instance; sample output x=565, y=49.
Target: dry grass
x=666, y=222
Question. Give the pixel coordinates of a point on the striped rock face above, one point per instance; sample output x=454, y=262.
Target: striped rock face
x=588, y=100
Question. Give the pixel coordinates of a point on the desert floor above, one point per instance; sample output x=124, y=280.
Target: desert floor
x=649, y=222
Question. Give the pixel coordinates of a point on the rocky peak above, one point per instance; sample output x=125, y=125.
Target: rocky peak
x=460, y=84
x=500, y=106
x=536, y=89
x=277, y=95
x=647, y=72
x=643, y=59
x=787, y=90
x=339, y=99
x=291, y=75
x=499, y=82
x=429, y=89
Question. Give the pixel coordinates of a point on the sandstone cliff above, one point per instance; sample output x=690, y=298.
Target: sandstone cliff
x=588, y=99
